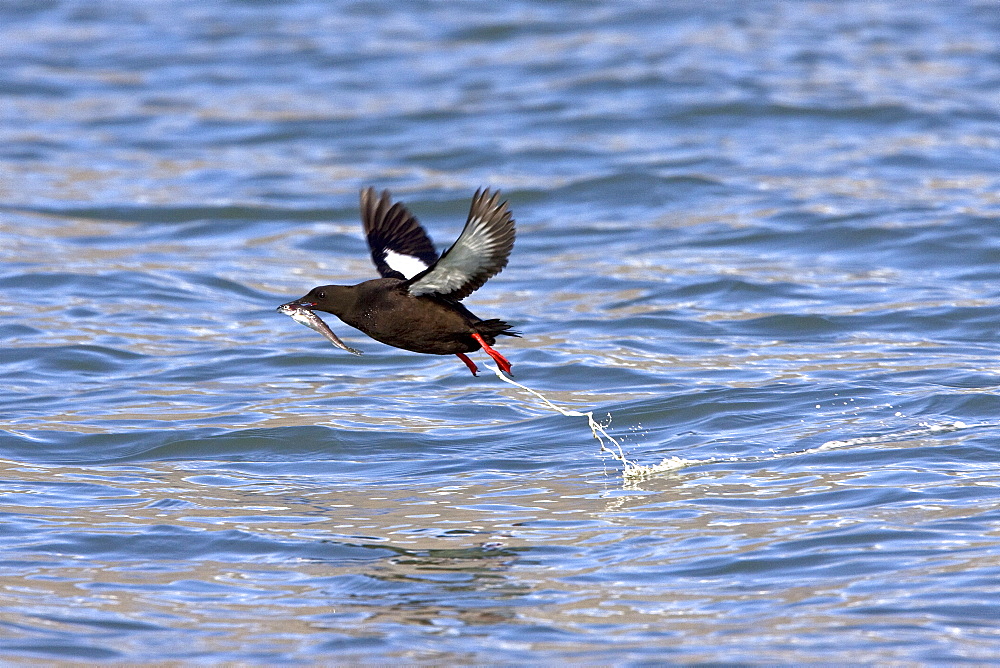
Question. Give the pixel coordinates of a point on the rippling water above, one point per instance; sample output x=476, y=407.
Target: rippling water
x=760, y=238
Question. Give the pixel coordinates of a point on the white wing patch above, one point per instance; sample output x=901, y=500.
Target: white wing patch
x=407, y=265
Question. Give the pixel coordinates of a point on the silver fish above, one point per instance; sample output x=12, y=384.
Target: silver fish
x=304, y=316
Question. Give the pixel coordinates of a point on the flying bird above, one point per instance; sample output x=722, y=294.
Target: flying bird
x=416, y=305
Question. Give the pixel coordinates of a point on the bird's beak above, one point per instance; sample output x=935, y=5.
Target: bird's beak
x=296, y=304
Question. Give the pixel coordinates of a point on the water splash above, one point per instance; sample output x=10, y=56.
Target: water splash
x=630, y=468
x=638, y=472
x=632, y=471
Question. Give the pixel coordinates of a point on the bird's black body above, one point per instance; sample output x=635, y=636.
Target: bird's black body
x=385, y=311
x=416, y=305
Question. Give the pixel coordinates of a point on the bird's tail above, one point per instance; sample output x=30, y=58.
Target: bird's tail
x=493, y=328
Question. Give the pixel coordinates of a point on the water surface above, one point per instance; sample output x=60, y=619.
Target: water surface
x=761, y=240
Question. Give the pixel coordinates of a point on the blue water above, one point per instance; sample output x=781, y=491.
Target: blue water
x=762, y=239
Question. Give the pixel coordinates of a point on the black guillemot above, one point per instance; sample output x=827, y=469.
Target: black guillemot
x=416, y=305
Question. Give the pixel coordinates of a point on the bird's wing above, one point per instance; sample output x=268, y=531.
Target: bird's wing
x=400, y=247
x=480, y=252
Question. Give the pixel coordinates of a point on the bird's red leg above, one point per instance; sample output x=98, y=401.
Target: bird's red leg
x=497, y=357
x=469, y=363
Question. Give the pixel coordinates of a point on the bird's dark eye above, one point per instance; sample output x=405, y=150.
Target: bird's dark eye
x=321, y=294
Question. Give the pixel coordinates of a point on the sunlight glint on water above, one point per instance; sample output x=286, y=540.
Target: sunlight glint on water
x=761, y=236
